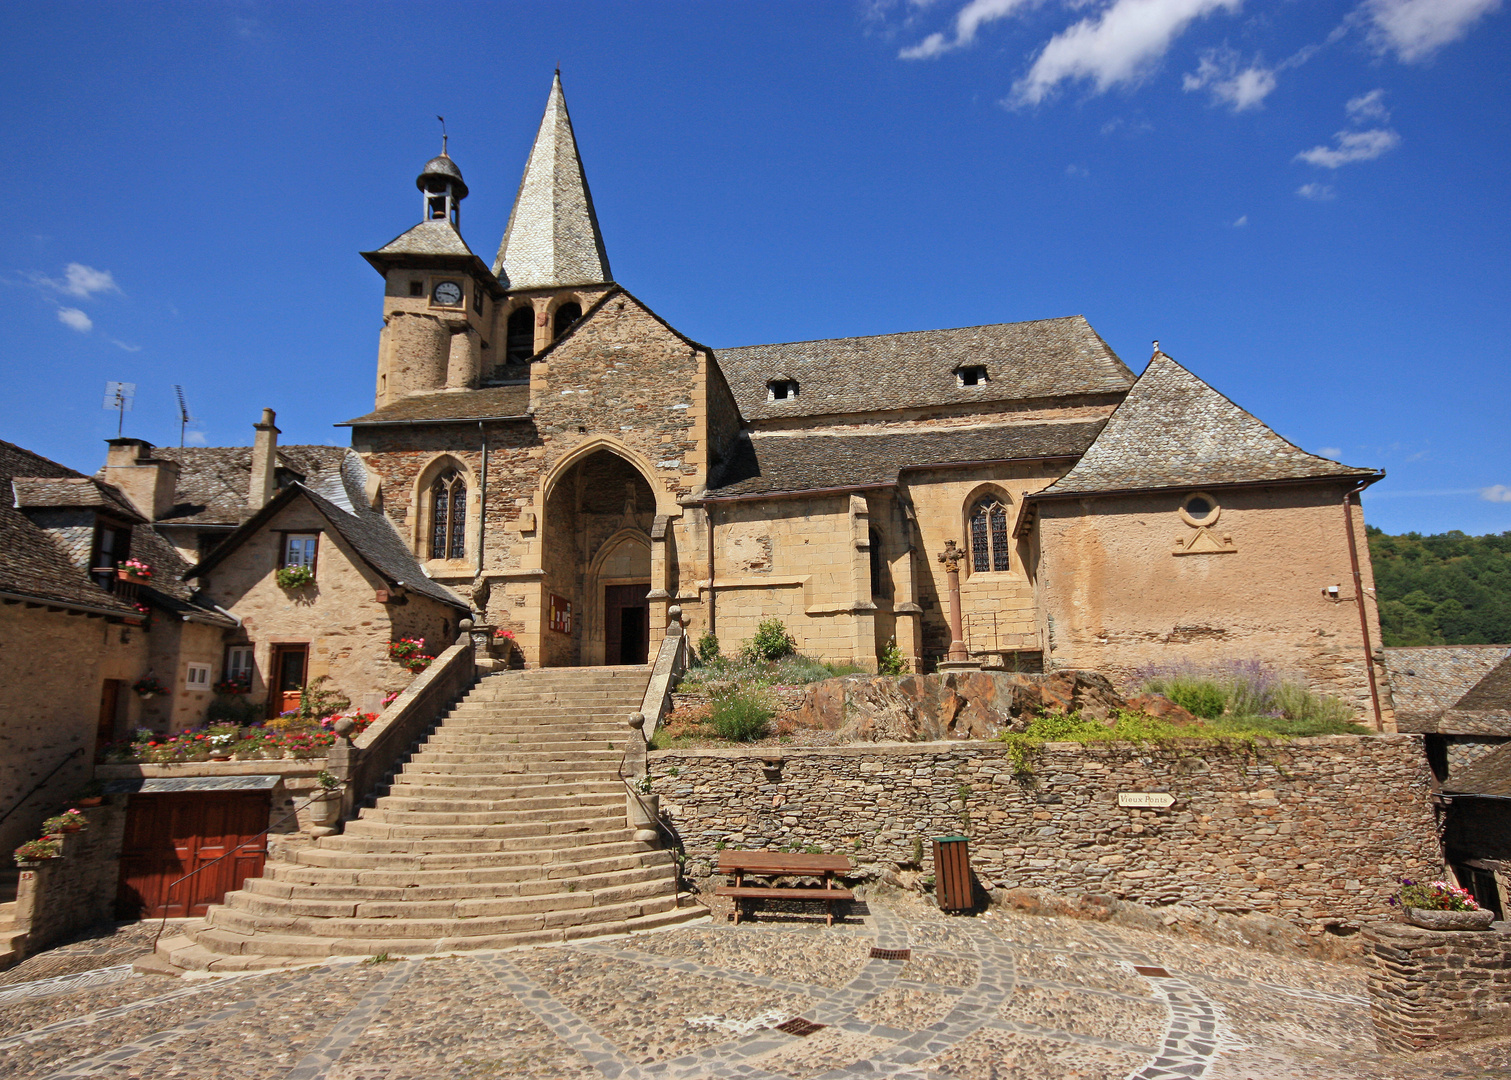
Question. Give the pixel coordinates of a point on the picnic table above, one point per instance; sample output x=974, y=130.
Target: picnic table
x=775, y=864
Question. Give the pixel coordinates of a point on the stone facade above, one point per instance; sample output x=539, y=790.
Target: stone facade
x=59, y=897
x=340, y=617
x=1431, y=987
x=1313, y=830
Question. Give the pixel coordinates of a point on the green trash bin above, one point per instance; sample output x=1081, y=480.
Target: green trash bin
x=952, y=874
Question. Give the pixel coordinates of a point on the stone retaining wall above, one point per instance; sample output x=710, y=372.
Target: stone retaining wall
x=59, y=897
x=1428, y=987
x=1316, y=830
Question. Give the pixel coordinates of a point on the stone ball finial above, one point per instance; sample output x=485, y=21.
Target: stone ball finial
x=674, y=612
x=636, y=720
x=344, y=727
x=464, y=625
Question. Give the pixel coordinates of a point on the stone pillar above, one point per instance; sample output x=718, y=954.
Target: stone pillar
x=1432, y=987
x=950, y=557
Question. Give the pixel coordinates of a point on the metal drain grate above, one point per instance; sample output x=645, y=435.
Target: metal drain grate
x=891, y=954
x=798, y=1026
x=1152, y=972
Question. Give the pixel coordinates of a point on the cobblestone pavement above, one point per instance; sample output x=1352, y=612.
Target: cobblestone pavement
x=896, y=990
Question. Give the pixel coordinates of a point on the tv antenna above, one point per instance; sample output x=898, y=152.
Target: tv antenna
x=184, y=419
x=118, y=396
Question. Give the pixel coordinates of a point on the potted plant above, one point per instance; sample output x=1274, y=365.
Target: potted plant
x=49, y=847
x=134, y=570
x=236, y=684
x=325, y=803
x=294, y=577
x=1438, y=905
x=148, y=688
x=91, y=794
x=66, y=822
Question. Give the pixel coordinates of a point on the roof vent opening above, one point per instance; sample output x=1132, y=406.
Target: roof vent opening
x=781, y=390
x=974, y=375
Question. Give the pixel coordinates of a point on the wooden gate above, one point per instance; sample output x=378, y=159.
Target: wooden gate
x=172, y=834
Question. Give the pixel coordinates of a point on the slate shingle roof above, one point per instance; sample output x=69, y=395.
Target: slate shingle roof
x=36, y=491
x=1426, y=680
x=1044, y=359
x=490, y=404
x=553, y=237
x=18, y=461
x=213, y=480
x=1489, y=775
x=1175, y=431
x=368, y=532
x=434, y=237
x=766, y=464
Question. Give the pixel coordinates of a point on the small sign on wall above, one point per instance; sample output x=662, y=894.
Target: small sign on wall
x=559, y=614
x=1158, y=799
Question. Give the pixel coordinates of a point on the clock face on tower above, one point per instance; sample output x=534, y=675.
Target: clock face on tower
x=447, y=294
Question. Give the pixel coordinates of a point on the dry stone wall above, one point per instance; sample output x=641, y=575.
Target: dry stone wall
x=1429, y=987
x=1315, y=830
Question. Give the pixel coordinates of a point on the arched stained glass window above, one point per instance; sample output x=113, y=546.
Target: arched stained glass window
x=989, y=545
x=448, y=520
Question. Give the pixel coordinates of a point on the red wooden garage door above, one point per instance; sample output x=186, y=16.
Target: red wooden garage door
x=172, y=834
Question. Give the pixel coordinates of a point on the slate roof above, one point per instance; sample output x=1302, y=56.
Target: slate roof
x=769, y=464
x=442, y=165
x=434, y=237
x=1489, y=775
x=553, y=237
x=1426, y=680
x=1047, y=358
x=34, y=491
x=213, y=480
x=490, y=404
x=368, y=532
x=1175, y=431
x=32, y=563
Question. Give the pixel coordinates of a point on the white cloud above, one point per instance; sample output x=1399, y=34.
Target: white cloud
x=85, y=281
x=194, y=438
x=1334, y=452
x=1118, y=45
x=1317, y=192
x=1078, y=171
x=1368, y=108
x=119, y=344
x=1241, y=222
x=1219, y=73
x=968, y=20
x=1496, y=493
x=1415, y=29
x=72, y=316
x=1352, y=146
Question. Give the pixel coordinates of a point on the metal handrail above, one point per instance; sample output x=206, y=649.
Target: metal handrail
x=168, y=894
x=75, y=752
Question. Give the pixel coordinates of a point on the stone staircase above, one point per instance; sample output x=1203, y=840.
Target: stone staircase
x=506, y=827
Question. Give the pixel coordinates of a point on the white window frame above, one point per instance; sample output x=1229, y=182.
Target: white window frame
x=197, y=677
x=314, y=554
x=238, y=660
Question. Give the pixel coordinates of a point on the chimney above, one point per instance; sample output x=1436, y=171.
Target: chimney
x=264, y=463
x=150, y=484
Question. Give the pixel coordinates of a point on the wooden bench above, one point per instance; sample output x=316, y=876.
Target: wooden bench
x=774, y=864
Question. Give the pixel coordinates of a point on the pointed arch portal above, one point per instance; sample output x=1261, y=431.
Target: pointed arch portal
x=596, y=558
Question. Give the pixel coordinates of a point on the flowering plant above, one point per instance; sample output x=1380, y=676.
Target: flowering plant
x=67, y=821
x=1433, y=896
x=240, y=683
x=294, y=577
x=45, y=848
x=417, y=664
x=404, y=648
x=363, y=720
x=148, y=686
x=503, y=635
x=388, y=698
x=136, y=568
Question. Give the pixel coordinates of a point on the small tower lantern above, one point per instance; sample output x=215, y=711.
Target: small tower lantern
x=443, y=188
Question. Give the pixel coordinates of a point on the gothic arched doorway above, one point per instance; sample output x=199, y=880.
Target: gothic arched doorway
x=596, y=558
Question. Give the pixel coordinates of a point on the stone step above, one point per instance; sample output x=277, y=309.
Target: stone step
x=567, y=895
x=462, y=860
x=551, y=826
x=482, y=819
x=424, y=878
x=583, y=912
x=660, y=872
x=495, y=796
x=515, y=764
x=601, y=832
x=506, y=783
x=450, y=803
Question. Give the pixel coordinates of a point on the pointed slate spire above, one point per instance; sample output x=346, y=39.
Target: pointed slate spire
x=553, y=236
x=1175, y=431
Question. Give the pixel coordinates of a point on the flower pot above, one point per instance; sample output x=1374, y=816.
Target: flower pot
x=644, y=810
x=92, y=800
x=71, y=828
x=135, y=579
x=1450, y=920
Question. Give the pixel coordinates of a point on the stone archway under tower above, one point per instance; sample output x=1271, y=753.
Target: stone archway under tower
x=599, y=593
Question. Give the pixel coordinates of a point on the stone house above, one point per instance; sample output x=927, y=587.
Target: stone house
x=75, y=638
x=547, y=444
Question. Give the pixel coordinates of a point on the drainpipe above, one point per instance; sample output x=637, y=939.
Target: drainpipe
x=482, y=498
x=709, y=511
x=1353, y=558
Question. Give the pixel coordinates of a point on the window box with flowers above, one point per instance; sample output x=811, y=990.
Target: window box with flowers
x=134, y=570
x=66, y=822
x=406, y=652
x=48, y=847
x=149, y=688
x=240, y=683
x=294, y=577
x=1438, y=905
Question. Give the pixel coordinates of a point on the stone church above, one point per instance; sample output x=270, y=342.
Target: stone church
x=554, y=450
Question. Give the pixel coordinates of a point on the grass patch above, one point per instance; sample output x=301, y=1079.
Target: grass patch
x=741, y=716
x=723, y=673
x=1246, y=698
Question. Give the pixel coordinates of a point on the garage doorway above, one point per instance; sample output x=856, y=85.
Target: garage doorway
x=171, y=834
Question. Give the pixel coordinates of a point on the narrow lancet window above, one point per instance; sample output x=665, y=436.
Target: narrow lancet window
x=448, y=503
x=989, y=545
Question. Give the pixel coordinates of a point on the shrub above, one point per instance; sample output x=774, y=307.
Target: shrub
x=315, y=701
x=294, y=577
x=236, y=711
x=771, y=642
x=891, y=661
x=1202, y=697
x=741, y=716
x=708, y=648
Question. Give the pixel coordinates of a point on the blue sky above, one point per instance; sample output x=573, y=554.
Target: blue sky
x=1305, y=202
